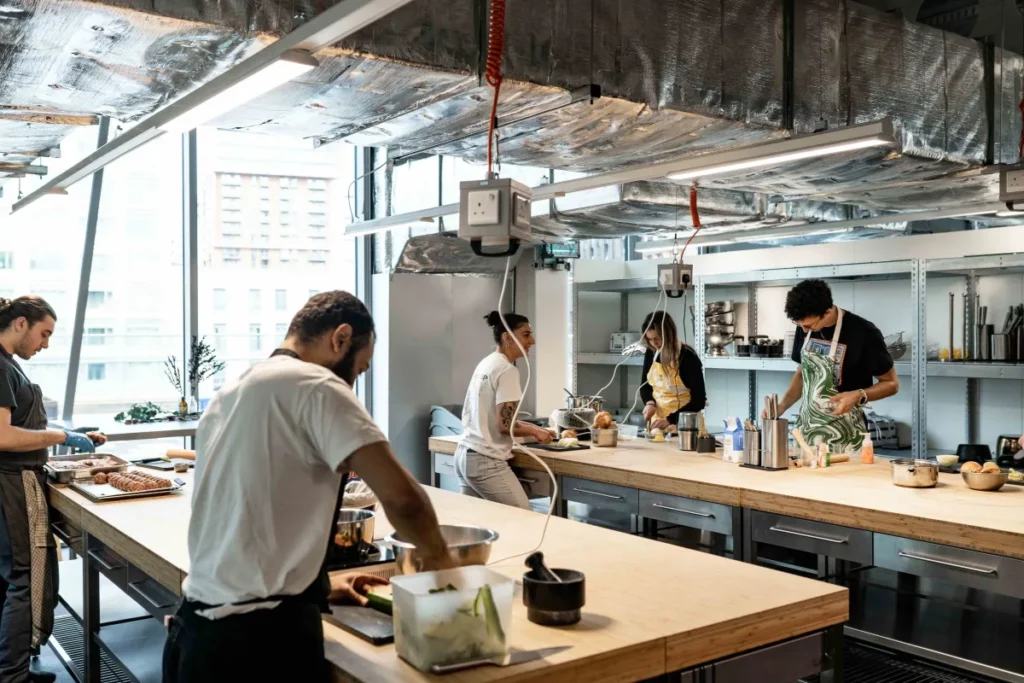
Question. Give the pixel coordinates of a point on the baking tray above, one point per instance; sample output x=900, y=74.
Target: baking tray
x=66, y=476
x=101, y=493
x=557, y=449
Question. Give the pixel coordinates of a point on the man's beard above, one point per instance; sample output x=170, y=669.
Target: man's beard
x=346, y=368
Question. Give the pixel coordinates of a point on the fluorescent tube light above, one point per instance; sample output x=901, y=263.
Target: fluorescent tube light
x=287, y=67
x=783, y=158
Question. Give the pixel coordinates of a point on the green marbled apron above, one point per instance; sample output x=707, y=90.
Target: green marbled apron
x=841, y=433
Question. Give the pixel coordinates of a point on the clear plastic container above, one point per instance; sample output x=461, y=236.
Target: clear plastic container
x=467, y=617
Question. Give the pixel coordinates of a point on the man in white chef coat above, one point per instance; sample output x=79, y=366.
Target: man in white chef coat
x=272, y=454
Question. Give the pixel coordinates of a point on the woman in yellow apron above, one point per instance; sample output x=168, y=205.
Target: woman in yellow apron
x=673, y=376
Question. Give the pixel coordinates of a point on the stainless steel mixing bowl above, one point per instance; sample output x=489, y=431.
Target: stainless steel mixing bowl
x=468, y=545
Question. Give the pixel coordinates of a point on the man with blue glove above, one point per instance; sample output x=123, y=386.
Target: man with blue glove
x=26, y=606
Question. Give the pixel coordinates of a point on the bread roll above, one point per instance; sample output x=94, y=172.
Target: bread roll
x=569, y=434
x=970, y=467
x=991, y=467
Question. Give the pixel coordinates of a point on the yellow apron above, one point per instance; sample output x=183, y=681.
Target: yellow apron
x=670, y=394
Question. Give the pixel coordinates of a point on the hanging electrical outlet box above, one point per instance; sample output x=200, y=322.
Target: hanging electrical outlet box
x=675, y=278
x=494, y=213
x=1011, y=189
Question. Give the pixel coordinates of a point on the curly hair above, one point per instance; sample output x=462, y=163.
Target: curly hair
x=326, y=311
x=809, y=298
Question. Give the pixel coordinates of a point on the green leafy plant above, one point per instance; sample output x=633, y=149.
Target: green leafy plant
x=139, y=412
x=202, y=364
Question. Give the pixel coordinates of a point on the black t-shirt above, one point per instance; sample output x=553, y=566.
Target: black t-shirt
x=860, y=354
x=16, y=394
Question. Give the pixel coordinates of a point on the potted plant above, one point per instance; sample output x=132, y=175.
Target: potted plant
x=202, y=365
x=174, y=376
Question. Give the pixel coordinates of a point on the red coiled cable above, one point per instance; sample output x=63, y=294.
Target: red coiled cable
x=694, y=218
x=495, y=52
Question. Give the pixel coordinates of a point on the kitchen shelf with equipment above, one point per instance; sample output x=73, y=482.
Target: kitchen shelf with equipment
x=608, y=359
x=773, y=364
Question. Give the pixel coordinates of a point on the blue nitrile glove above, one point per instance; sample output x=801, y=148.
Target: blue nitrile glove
x=79, y=442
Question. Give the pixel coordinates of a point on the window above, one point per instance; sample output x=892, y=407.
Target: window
x=99, y=298
x=232, y=256
x=220, y=342
x=264, y=258
x=264, y=181
x=254, y=337
x=255, y=300
x=281, y=331
x=281, y=299
x=97, y=371
x=318, y=257
x=220, y=299
x=97, y=336
x=6, y=260
x=219, y=381
x=313, y=292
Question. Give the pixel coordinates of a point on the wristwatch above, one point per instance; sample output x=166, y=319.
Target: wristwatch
x=863, y=397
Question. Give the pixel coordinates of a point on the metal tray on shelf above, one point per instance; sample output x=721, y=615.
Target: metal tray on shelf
x=101, y=493
x=66, y=476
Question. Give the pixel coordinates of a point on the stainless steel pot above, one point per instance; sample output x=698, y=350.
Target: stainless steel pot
x=354, y=526
x=717, y=307
x=468, y=545
x=720, y=319
x=689, y=421
x=595, y=403
x=915, y=474
x=688, y=439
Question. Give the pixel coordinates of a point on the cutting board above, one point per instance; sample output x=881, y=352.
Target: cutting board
x=364, y=622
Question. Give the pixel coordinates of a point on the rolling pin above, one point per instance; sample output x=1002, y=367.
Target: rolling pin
x=839, y=457
x=180, y=454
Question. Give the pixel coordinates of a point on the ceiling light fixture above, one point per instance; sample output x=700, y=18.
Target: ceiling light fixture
x=851, y=138
x=287, y=67
x=249, y=77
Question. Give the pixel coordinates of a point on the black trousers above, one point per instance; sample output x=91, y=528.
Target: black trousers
x=15, y=600
x=281, y=644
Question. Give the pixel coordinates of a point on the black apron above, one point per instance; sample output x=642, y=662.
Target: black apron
x=264, y=620
x=26, y=513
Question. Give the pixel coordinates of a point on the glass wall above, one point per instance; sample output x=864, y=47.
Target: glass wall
x=41, y=253
x=272, y=217
x=133, y=319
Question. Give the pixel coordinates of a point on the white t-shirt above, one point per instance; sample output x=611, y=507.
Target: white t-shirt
x=269, y=451
x=495, y=381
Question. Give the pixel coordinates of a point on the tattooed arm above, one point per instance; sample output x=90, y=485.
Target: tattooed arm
x=505, y=412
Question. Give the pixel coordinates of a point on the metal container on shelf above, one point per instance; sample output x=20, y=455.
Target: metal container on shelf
x=984, y=344
x=1002, y=350
x=775, y=444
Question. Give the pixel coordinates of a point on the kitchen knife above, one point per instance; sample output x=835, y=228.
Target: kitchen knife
x=511, y=659
x=1009, y=319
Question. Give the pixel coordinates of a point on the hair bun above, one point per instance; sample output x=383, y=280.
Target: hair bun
x=493, y=318
x=5, y=304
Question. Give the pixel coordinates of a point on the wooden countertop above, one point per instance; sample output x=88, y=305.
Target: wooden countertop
x=651, y=607
x=849, y=494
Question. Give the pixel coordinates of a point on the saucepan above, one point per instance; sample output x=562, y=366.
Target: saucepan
x=915, y=474
x=354, y=528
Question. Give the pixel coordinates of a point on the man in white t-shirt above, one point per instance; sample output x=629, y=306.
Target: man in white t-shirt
x=481, y=460
x=272, y=452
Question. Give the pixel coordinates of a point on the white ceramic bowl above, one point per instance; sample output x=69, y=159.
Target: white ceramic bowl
x=948, y=461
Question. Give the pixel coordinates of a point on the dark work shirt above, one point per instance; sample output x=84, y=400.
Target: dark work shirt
x=860, y=354
x=690, y=373
x=16, y=394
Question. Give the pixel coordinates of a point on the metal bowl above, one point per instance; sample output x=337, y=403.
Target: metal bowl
x=468, y=545
x=717, y=307
x=354, y=526
x=721, y=329
x=985, y=481
x=720, y=318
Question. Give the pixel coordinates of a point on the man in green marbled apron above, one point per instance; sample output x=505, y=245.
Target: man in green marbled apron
x=844, y=364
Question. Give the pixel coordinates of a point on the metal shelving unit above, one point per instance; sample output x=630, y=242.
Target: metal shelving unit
x=910, y=270
x=917, y=368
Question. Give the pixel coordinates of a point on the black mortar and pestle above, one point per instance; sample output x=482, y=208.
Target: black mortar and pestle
x=553, y=597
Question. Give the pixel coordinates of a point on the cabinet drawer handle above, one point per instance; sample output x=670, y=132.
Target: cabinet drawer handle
x=598, y=493
x=685, y=512
x=945, y=563
x=103, y=563
x=447, y=464
x=146, y=596
x=814, y=537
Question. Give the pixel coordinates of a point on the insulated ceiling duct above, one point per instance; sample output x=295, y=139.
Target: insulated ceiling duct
x=678, y=78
